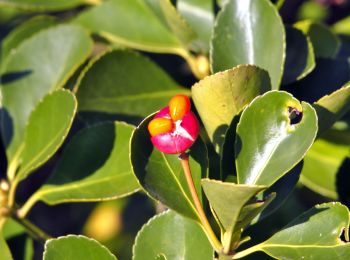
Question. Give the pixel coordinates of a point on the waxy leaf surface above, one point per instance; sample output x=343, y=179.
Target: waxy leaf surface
x=269, y=144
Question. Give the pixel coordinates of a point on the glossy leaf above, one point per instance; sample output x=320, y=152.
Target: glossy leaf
x=171, y=236
x=145, y=31
x=300, y=57
x=73, y=247
x=128, y=84
x=269, y=143
x=229, y=202
x=23, y=32
x=332, y=107
x=48, y=125
x=54, y=53
x=161, y=174
x=42, y=5
x=98, y=156
x=321, y=165
x=313, y=235
x=249, y=32
x=219, y=97
x=326, y=44
x=5, y=251
x=200, y=15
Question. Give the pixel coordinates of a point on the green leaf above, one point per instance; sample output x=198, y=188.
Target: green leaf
x=94, y=166
x=74, y=247
x=5, y=251
x=313, y=235
x=233, y=205
x=41, y=64
x=321, y=165
x=144, y=30
x=24, y=31
x=44, y=5
x=342, y=26
x=269, y=143
x=173, y=237
x=219, y=97
x=332, y=107
x=128, y=83
x=300, y=57
x=200, y=15
x=161, y=174
x=48, y=125
x=249, y=32
x=326, y=44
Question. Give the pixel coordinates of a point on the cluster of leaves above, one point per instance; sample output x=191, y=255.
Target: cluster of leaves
x=79, y=66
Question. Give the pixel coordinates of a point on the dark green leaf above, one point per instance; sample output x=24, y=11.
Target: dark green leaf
x=124, y=82
x=300, y=57
x=269, y=143
x=74, y=247
x=94, y=166
x=219, y=97
x=171, y=236
x=249, y=32
x=161, y=174
x=48, y=125
x=326, y=44
x=200, y=15
x=41, y=64
x=42, y=5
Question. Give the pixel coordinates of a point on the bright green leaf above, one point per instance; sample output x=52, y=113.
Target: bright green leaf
x=42, y=5
x=219, y=97
x=200, y=15
x=172, y=236
x=332, y=107
x=24, y=31
x=48, y=126
x=161, y=175
x=124, y=82
x=41, y=64
x=74, y=247
x=300, y=57
x=313, y=235
x=144, y=30
x=342, y=26
x=326, y=44
x=95, y=166
x=321, y=165
x=249, y=32
x=269, y=143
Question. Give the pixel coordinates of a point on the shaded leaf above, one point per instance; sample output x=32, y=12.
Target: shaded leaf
x=24, y=31
x=269, y=143
x=125, y=83
x=313, y=235
x=332, y=107
x=42, y=5
x=95, y=166
x=219, y=97
x=48, y=125
x=161, y=174
x=326, y=44
x=249, y=32
x=200, y=15
x=74, y=247
x=300, y=57
x=54, y=53
x=188, y=241
x=321, y=165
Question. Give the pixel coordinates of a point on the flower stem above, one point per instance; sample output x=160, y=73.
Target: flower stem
x=184, y=159
x=34, y=231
